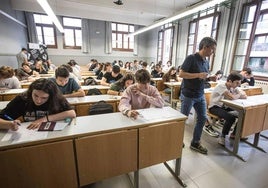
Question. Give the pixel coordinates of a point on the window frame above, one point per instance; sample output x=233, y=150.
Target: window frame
x=123, y=33
x=42, y=25
x=73, y=28
x=258, y=13
x=160, y=51
x=216, y=16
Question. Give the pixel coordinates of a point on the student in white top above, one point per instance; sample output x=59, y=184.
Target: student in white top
x=8, y=80
x=227, y=90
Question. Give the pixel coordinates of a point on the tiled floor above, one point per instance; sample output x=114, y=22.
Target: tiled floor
x=218, y=169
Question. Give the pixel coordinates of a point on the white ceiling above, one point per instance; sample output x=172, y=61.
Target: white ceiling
x=140, y=12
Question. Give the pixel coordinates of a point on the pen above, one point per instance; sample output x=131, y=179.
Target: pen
x=9, y=118
x=47, y=117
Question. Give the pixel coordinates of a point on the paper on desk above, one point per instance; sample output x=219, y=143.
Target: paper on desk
x=23, y=135
x=156, y=113
x=60, y=126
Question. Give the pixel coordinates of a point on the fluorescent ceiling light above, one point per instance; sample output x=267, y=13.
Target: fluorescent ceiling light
x=44, y=4
x=181, y=14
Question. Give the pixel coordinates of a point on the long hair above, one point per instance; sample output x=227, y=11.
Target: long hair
x=55, y=100
x=167, y=76
x=122, y=81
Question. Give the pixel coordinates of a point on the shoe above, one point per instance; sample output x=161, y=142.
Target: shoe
x=232, y=136
x=221, y=141
x=199, y=148
x=210, y=131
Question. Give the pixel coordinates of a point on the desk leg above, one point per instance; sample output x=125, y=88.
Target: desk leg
x=177, y=171
x=264, y=136
x=136, y=179
x=255, y=142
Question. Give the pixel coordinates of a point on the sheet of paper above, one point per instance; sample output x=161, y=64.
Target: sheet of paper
x=60, y=126
x=24, y=135
x=156, y=113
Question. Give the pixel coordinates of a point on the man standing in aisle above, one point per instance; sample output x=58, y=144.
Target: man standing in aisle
x=194, y=72
x=22, y=57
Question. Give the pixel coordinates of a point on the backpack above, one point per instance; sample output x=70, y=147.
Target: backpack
x=90, y=81
x=94, y=91
x=101, y=107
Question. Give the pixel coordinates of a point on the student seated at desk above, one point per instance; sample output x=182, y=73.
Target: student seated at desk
x=111, y=77
x=157, y=72
x=248, y=78
x=119, y=86
x=170, y=76
x=41, y=99
x=227, y=90
x=68, y=86
x=7, y=78
x=40, y=67
x=140, y=95
x=26, y=73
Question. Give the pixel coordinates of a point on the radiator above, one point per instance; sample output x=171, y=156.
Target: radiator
x=263, y=84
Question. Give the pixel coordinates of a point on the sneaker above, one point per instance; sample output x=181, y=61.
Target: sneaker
x=221, y=141
x=199, y=148
x=232, y=136
x=210, y=131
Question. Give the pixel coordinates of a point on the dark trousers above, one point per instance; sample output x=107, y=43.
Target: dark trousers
x=223, y=113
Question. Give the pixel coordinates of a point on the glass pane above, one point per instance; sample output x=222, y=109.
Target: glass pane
x=49, y=40
x=114, y=26
x=264, y=5
x=113, y=44
x=131, y=28
x=262, y=25
x=190, y=49
x=259, y=65
x=37, y=18
x=245, y=31
x=38, y=30
x=192, y=27
x=191, y=39
x=131, y=45
x=125, y=28
x=120, y=27
x=159, y=44
x=241, y=48
x=75, y=22
x=213, y=34
x=248, y=14
x=259, y=46
x=113, y=36
x=49, y=35
x=238, y=63
x=78, y=37
x=119, y=40
x=69, y=37
x=204, y=28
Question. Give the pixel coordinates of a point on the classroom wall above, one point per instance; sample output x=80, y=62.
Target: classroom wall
x=146, y=48
x=13, y=36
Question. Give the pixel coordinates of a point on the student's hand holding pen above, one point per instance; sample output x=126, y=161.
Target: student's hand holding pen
x=14, y=125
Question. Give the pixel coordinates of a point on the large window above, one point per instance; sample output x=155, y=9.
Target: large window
x=165, y=41
x=205, y=24
x=252, y=39
x=45, y=30
x=72, y=33
x=120, y=41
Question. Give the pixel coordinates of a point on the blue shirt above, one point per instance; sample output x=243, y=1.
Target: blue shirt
x=69, y=88
x=194, y=63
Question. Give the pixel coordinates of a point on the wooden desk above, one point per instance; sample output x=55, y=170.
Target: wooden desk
x=82, y=105
x=175, y=89
x=10, y=94
x=103, y=89
x=88, y=151
x=252, y=118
